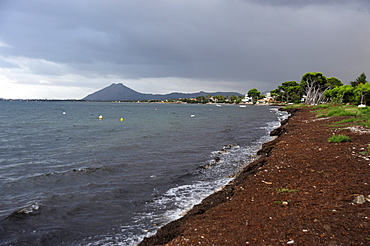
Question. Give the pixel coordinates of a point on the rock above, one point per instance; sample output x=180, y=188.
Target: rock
x=367, y=198
x=359, y=200
x=327, y=228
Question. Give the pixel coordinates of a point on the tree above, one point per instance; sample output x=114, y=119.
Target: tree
x=359, y=80
x=254, y=94
x=277, y=94
x=334, y=82
x=314, y=85
x=220, y=98
x=234, y=99
x=333, y=92
x=341, y=94
x=201, y=99
x=208, y=97
x=290, y=90
x=363, y=89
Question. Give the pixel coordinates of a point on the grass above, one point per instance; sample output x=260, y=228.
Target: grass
x=284, y=190
x=282, y=202
x=321, y=106
x=339, y=139
x=337, y=111
x=349, y=120
x=355, y=115
x=366, y=152
x=366, y=123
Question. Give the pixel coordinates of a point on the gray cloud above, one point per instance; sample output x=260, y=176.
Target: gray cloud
x=302, y=3
x=244, y=42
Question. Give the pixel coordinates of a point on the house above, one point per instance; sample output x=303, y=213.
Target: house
x=267, y=99
x=247, y=99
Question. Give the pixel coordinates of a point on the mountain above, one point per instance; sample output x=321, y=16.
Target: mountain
x=120, y=92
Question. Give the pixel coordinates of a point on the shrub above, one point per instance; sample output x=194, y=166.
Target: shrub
x=339, y=138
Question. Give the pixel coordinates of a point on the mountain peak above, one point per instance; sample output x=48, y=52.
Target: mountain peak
x=120, y=92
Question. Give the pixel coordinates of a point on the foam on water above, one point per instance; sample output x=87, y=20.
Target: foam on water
x=28, y=209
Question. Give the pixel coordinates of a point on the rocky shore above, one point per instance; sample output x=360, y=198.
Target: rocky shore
x=303, y=190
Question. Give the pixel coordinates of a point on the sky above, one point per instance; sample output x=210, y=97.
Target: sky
x=68, y=49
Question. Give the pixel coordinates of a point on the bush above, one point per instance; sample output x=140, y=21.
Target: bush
x=339, y=138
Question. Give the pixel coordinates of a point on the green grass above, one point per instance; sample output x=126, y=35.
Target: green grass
x=284, y=190
x=349, y=120
x=339, y=139
x=321, y=106
x=282, y=202
x=355, y=115
x=299, y=105
x=366, y=123
x=341, y=112
x=366, y=152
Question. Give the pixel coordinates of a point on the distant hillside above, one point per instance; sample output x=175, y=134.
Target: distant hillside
x=120, y=92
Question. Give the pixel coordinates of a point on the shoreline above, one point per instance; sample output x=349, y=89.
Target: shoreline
x=300, y=191
x=169, y=231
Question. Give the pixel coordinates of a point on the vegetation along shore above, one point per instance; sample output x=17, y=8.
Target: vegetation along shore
x=310, y=186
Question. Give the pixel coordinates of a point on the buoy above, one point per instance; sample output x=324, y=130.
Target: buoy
x=100, y=117
x=122, y=119
x=64, y=112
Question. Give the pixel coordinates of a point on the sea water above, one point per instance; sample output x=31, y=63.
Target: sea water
x=70, y=178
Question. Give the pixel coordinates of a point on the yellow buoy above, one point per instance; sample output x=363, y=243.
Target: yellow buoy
x=122, y=119
x=100, y=117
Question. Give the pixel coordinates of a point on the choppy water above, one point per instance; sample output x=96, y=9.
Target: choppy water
x=68, y=178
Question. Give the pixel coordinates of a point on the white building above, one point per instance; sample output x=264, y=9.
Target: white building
x=247, y=99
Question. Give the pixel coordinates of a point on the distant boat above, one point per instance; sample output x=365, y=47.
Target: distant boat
x=218, y=105
x=242, y=106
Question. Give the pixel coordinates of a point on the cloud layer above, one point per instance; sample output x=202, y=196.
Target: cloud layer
x=69, y=49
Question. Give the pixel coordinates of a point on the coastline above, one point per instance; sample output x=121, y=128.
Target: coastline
x=169, y=231
x=300, y=191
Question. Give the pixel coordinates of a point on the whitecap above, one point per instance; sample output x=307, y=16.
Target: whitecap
x=29, y=209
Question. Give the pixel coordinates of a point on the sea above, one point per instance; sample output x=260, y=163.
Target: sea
x=110, y=173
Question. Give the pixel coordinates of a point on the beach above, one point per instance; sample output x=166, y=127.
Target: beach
x=303, y=190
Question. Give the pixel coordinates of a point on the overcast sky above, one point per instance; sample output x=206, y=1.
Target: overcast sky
x=68, y=49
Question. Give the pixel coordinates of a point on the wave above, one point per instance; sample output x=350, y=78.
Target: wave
x=24, y=212
x=74, y=170
x=175, y=202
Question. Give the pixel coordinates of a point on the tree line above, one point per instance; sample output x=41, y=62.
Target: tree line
x=315, y=88
x=213, y=99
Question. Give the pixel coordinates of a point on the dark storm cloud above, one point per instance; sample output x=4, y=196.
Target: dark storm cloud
x=237, y=41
